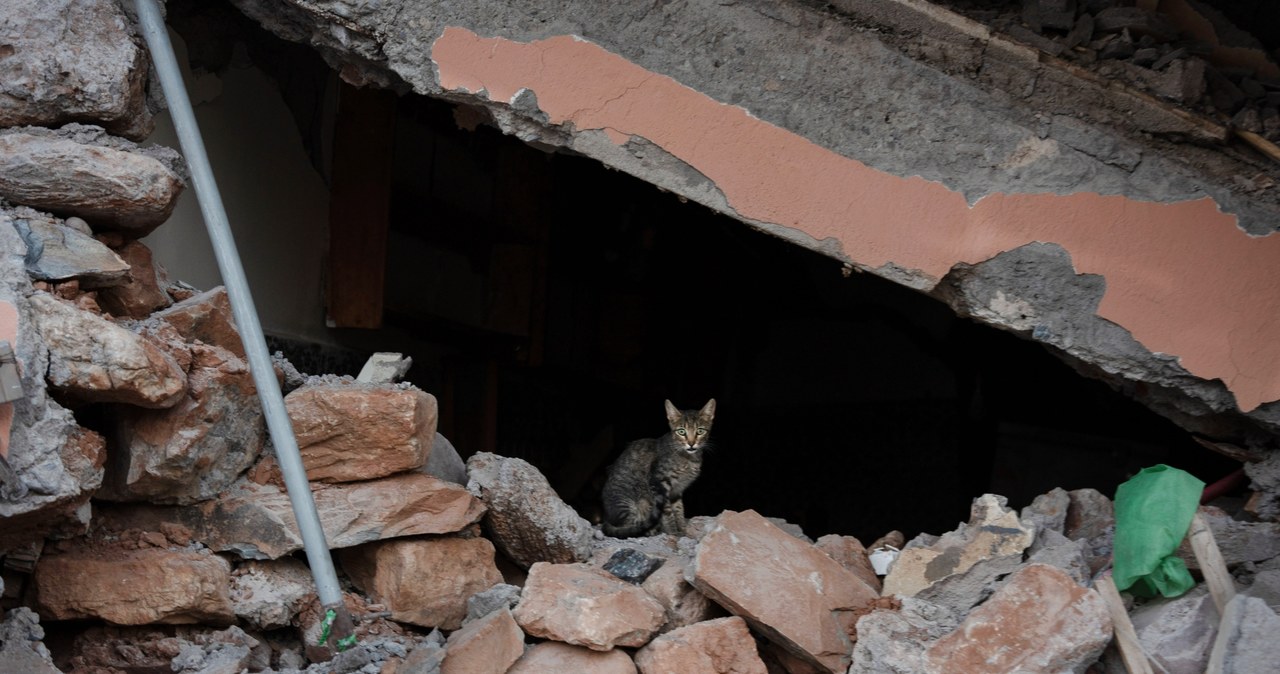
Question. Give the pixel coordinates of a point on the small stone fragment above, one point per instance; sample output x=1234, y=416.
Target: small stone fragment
x=632, y=565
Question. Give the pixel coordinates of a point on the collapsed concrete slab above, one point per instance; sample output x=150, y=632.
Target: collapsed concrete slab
x=879, y=195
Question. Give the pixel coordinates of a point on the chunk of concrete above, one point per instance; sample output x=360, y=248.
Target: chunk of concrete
x=812, y=602
x=527, y=520
x=553, y=657
x=489, y=645
x=585, y=606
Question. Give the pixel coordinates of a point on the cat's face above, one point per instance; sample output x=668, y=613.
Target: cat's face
x=692, y=429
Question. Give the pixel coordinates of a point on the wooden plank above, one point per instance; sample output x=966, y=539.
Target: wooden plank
x=1261, y=144
x=1221, y=587
x=1135, y=659
x=359, y=206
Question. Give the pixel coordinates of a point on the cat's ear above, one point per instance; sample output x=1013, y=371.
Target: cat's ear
x=673, y=414
x=708, y=411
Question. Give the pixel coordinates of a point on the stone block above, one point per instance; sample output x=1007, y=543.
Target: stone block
x=1177, y=634
x=135, y=587
x=553, y=657
x=489, y=645
x=350, y=432
x=723, y=646
x=585, y=606
x=527, y=520
x=1249, y=641
x=812, y=602
x=22, y=646
x=1039, y=621
x=206, y=317
x=96, y=360
x=424, y=582
x=48, y=80
x=270, y=594
x=143, y=289
x=58, y=253
x=111, y=188
x=256, y=521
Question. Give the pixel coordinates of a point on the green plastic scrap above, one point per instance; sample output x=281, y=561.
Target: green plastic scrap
x=327, y=625
x=1153, y=512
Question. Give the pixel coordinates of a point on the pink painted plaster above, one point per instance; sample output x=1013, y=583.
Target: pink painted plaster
x=8, y=333
x=1181, y=277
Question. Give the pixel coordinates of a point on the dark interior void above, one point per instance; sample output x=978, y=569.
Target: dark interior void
x=570, y=300
x=551, y=305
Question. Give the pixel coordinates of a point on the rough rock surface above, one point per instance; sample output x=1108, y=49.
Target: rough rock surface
x=135, y=587
x=57, y=252
x=721, y=646
x=424, y=581
x=489, y=645
x=205, y=317
x=894, y=642
x=143, y=289
x=98, y=76
x=991, y=544
x=1177, y=634
x=349, y=432
x=553, y=657
x=112, y=189
x=810, y=607
x=586, y=606
x=99, y=361
x=498, y=597
x=852, y=555
x=256, y=521
x=684, y=604
x=1040, y=620
x=21, y=643
x=156, y=649
x=1252, y=645
x=1238, y=541
x=197, y=448
x=269, y=594
x=527, y=520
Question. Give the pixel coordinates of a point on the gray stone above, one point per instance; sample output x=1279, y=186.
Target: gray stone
x=1264, y=479
x=59, y=253
x=196, y=449
x=1048, y=511
x=1238, y=541
x=444, y=462
x=113, y=189
x=1057, y=550
x=72, y=61
x=527, y=520
x=269, y=594
x=1178, y=633
x=58, y=463
x=1252, y=645
x=22, y=646
x=632, y=565
x=894, y=642
x=1266, y=586
x=497, y=597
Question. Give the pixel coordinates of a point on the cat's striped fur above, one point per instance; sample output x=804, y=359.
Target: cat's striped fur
x=643, y=490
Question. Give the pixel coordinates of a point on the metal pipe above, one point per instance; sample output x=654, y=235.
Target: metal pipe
x=246, y=317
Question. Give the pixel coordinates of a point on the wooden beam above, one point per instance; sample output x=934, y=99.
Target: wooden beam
x=1135, y=659
x=359, y=206
x=1221, y=587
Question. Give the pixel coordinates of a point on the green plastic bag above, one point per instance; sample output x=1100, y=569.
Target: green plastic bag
x=1153, y=512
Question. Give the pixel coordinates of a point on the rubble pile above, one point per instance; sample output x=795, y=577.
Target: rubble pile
x=143, y=517
x=1183, y=51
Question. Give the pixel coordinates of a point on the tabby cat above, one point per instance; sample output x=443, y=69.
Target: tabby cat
x=643, y=488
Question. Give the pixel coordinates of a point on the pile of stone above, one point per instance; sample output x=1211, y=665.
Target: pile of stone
x=1184, y=52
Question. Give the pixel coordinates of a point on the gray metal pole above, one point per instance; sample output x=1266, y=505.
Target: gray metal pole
x=246, y=317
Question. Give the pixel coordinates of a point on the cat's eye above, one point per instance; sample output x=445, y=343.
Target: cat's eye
x=680, y=431
x=702, y=431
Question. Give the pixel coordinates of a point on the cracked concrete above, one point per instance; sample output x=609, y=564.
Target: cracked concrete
x=812, y=127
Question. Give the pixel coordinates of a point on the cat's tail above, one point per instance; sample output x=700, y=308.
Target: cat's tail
x=631, y=524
